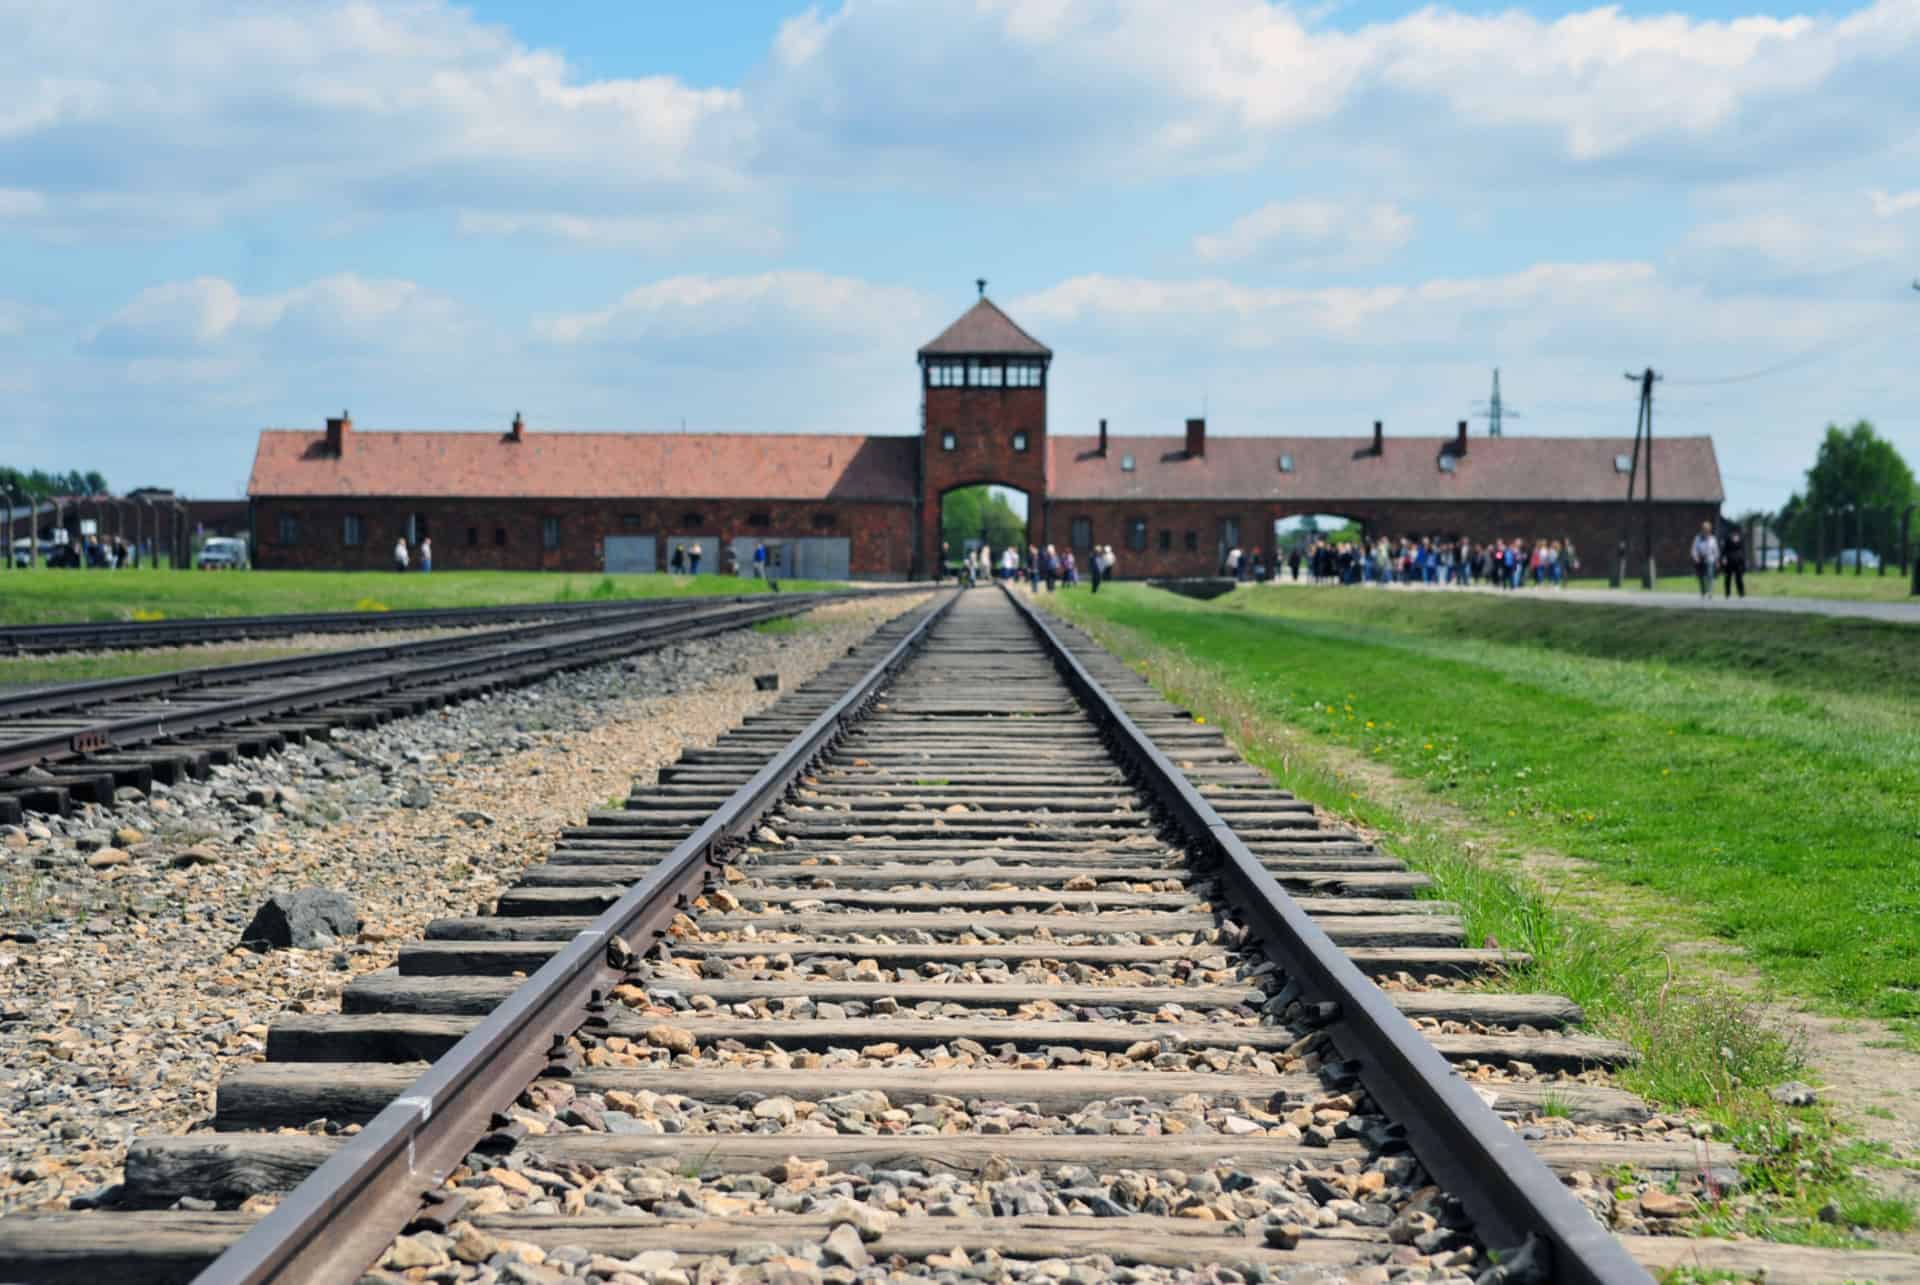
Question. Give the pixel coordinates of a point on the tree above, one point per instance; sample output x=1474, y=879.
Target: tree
x=1855, y=468
x=965, y=513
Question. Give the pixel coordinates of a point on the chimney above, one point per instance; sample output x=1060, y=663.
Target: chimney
x=337, y=430
x=519, y=429
x=1460, y=439
x=1379, y=438
x=1103, y=439
x=1196, y=438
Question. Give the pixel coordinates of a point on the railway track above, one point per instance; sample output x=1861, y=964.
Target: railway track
x=127, y=635
x=972, y=957
x=81, y=741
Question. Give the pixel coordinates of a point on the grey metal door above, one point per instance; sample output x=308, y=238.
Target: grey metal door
x=628, y=554
x=819, y=557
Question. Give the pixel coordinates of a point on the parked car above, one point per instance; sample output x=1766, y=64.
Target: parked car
x=1775, y=559
x=22, y=551
x=223, y=553
x=1863, y=558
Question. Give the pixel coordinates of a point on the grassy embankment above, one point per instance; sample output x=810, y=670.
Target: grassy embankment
x=1868, y=586
x=40, y=596
x=1744, y=778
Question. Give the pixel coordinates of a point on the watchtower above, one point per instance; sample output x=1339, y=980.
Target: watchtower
x=984, y=415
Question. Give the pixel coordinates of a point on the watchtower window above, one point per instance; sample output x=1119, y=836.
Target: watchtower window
x=1020, y=442
x=1024, y=374
x=985, y=374
x=945, y=374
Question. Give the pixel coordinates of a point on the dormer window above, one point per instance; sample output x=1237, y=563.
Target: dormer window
x=1020, y=441
x=949, y=441
x=1448, y=461
x=1286, y=463
x=1126, y=463
x=1623, y=464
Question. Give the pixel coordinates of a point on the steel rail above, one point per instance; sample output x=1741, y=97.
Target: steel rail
x=348, y=1210
x=69, y=695
x=1513, y=1198
x=128, y=634
x=583, y=641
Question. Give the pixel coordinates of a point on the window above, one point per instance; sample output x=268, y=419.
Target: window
x=823, y=521
x=550, y=532
x=1623, y=463
x=1286, y=463
x=949, y=442
x=1137, y=534
x=1193, y=542
x=982, y=374
x=945, y=374
x=1020, y=441
x=353, y=530
x=289, y=529
x=759, y=519
x=1024, y=374
x=1166, y=542
x=633, y=521
x=416, y=527
x=691, y=521
x=473, y=536
x=1126, y=463
x=499, y=537
x=1082, y=533
x=1229, y=534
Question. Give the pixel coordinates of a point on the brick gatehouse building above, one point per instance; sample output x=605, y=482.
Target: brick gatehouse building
x=527, y=499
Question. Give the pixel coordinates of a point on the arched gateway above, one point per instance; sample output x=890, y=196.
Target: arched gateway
x=868, y=505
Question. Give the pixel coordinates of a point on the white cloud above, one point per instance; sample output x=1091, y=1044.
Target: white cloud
x=1311, y=234
x=808, y=309
x=1891, y=205
x=1133, y=89
x=618, y=232
x=146, y=120
x=198, y=325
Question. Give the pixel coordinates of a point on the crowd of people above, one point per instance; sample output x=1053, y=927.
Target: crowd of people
x=1039, y=567
x=1499, y=564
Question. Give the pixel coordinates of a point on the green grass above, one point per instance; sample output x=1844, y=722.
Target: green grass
x=1758, y=774
x=1702, y=1046
x=1868, y=586
x=40, y=596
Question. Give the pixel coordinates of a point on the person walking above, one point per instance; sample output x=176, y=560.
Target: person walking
x=1706, y=558
x=677, y=561
x=940, y=567
x=426, y=553
x=1733, y=563
x=693, y=560
x=1050, y=567
x=1095, y=571
x=760, y=560
x=400, y=554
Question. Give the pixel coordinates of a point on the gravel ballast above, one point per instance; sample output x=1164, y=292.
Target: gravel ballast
x=124, y=990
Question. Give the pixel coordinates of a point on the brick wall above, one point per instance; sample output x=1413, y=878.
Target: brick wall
x=983, y=422
x=880, y=533
x=1593, y=528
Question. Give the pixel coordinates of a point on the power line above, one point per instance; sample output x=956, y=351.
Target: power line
x=1873, y=331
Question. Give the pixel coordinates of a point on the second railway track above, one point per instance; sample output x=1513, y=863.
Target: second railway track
x=970, y=959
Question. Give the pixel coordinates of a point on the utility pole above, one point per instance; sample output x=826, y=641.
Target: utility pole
x=1642, y=432
x=1495, y=409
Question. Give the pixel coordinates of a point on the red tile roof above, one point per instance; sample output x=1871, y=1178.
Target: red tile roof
x=1345, y=469
x=985, y=331
x=758, y=466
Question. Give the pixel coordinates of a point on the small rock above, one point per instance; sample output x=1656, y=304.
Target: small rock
x=102, y=858
x=1662, y=1204
x=414, y=1251
x=672, y=1038
x=198, y=855
x=843, y=1246
x=1794, y=1094
x=301, y=920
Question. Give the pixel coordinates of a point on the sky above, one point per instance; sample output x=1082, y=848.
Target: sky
x=644, y=216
